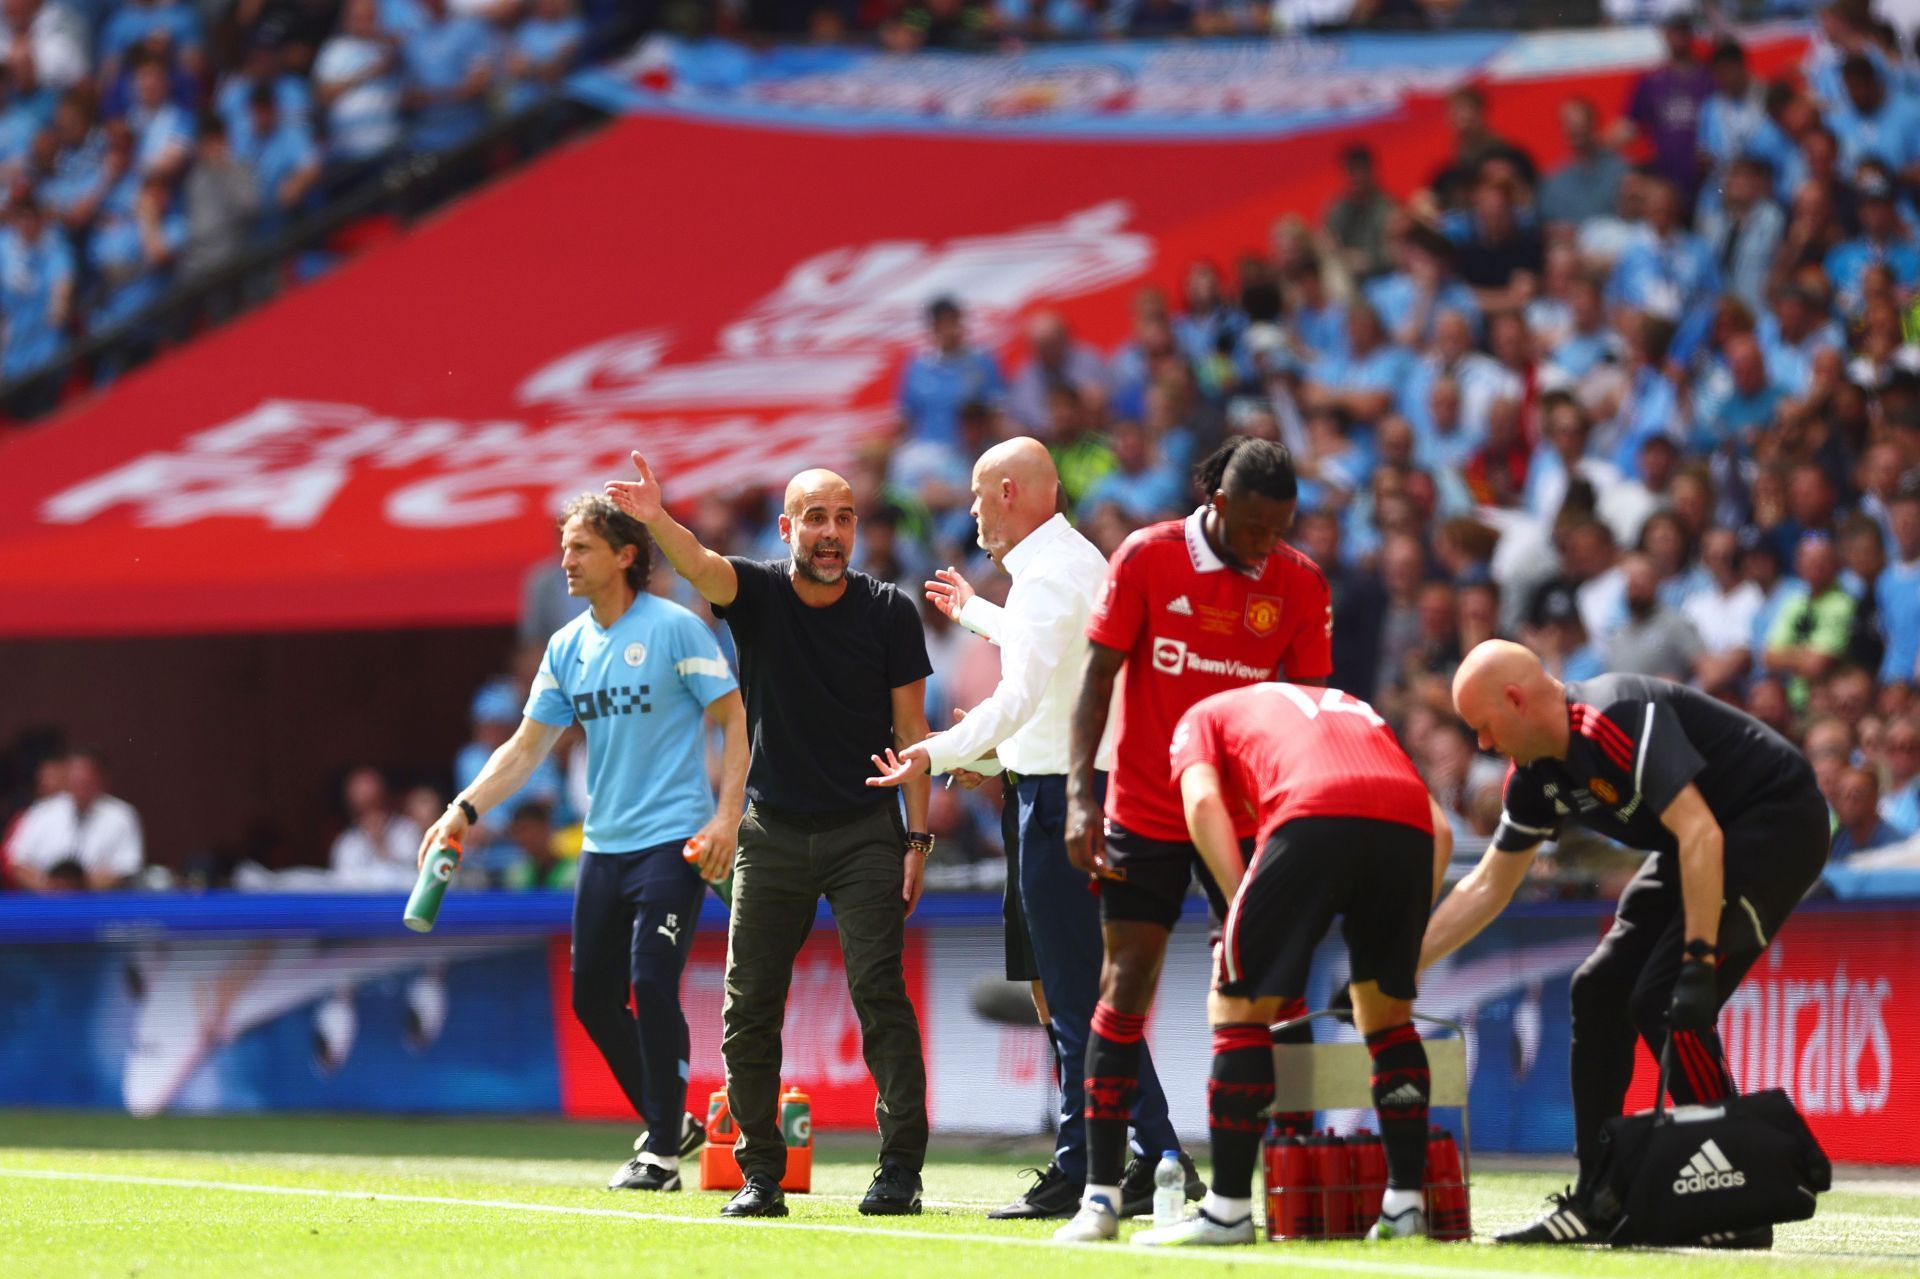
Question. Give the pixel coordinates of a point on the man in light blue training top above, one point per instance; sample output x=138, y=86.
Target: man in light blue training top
x=639, y=673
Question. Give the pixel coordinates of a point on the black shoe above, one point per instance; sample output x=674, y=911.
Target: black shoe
x=895, y=1192
x=641, y=1173
x=693, y=1134
x=1136, y=1186
x=1758, y=1239
x=1053, y=1194
x=760, y=1197
x=1570, y=1220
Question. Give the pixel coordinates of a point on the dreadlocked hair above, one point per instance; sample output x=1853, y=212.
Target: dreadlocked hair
x=1244, y=465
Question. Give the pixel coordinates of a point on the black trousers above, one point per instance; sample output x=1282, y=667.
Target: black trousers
x=634, y=916
x=783, y=869
x=1773, y=854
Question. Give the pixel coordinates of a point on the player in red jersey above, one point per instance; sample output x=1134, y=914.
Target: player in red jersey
x=1346, y=828
x=1190, y=608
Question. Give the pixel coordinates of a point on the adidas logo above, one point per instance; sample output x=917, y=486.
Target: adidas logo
x=1180, y=607
x=1708, y=1170
x=1565, y=1226
x=1404, y=1095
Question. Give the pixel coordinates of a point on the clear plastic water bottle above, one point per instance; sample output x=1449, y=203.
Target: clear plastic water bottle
x=1169, y=1189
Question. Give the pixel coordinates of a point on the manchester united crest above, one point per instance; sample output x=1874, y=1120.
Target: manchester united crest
x=1263, y=615
x=1604, y=789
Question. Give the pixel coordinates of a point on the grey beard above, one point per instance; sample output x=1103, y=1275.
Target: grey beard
x=804, y=567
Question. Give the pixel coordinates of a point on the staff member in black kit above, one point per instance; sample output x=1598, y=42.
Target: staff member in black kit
x=833, y=667
x=1738, y=832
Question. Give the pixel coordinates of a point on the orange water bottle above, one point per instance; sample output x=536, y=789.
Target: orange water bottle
x=719, y=1170
x=723, y=888
x=796, y=1130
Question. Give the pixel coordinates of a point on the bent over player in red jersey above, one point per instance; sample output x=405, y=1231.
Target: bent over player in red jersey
x=1346, y=828
x=1190, y=608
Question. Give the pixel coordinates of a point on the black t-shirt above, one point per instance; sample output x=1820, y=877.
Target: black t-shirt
x=818, y=684
x=1489, y=264
x=1635, y=743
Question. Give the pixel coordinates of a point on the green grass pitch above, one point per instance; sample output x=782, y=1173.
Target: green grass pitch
x=105, y=1195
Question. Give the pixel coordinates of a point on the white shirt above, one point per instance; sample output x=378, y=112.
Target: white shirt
x=365, y=120
x=59, y=41
x=1042, y=633
x=1602, y=602
x=358, y=863
x=104, y=840
x=1725, y=619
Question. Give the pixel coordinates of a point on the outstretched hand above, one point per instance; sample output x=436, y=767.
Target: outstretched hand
x=949, y=592
x=639, y=498
x=896, y=770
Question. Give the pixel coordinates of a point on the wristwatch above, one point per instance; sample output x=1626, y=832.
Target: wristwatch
x=919, y=841
x=468, y=811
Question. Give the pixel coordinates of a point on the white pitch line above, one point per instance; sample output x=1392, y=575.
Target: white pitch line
x=1237, y=1256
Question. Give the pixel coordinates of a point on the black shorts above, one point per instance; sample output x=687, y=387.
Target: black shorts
x=1147, y=880
x=1376, y=875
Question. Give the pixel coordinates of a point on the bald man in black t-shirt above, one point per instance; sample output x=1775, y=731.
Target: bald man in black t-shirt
x=833, y=669
x=1738, y=831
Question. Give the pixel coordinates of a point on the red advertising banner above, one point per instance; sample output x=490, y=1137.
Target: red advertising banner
x=820, y=1046
x=1825, y=1015
x=387, y=446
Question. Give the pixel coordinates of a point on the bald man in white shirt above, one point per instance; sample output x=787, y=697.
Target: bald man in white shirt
x=1053, y=923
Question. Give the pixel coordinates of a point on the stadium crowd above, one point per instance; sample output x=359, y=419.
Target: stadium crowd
x=976, y=24
x=148, y=141
x=1654, y=409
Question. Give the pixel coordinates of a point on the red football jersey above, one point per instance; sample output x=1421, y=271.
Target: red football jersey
x=1191, y=627
x=1301, y=752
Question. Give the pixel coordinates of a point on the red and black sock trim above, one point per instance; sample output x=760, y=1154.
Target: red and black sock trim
x=1121, y=1028
x=1402, y=1086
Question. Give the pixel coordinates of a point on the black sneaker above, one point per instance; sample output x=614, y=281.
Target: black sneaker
x=693, y=1134
x=1053, y=1194
x=1758, y=1239
x=1570, y=1220
x=642, y=1173
x=1136, y=1186
x=760, y=1197
x=895, y=1192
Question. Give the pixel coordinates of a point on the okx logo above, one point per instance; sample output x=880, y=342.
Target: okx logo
x=1708, y=1170
x=618, y=700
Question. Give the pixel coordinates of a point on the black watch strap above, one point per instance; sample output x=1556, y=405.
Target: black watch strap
x=468, y=811
x=919, y=839
x=1700, y=948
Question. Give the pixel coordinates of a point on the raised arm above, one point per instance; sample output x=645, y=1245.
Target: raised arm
x=707, y=571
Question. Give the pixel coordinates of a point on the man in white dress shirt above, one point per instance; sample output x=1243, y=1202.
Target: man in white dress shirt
x=1053, y=922
x=79, y=838
x=379, y=849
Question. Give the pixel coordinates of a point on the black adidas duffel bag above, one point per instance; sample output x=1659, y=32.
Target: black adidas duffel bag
x=1676, y=1176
